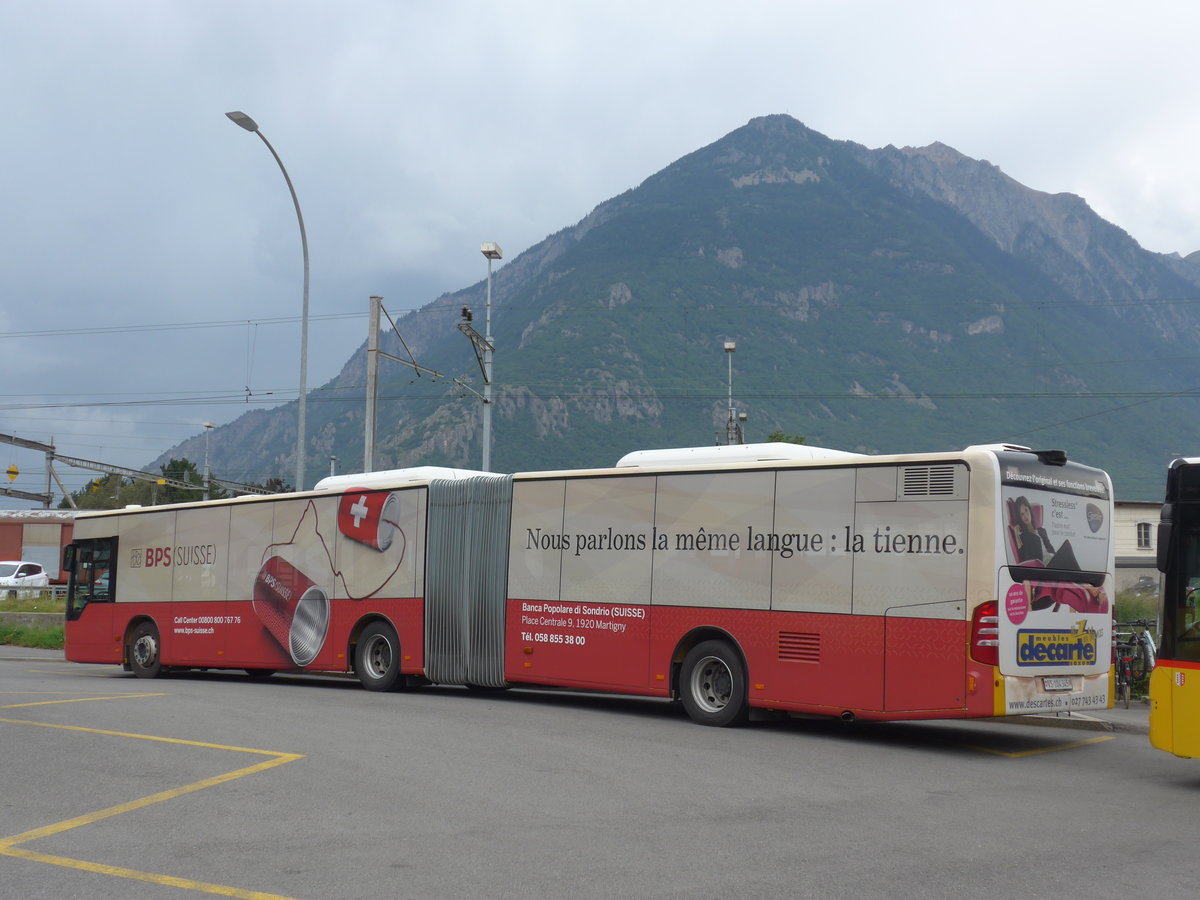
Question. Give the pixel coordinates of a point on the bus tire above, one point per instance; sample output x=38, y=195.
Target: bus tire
x=712, y=685
x=377, y=658
x=144, y=651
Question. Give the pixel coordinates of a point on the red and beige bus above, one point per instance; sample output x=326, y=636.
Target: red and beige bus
x=770, y=576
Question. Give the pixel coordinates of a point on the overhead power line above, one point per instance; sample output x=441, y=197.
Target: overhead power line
x=697, y=307
x=171, y=326
x=351, y=393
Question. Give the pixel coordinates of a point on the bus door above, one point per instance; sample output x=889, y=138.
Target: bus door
x=926, y=657
x=91, y=590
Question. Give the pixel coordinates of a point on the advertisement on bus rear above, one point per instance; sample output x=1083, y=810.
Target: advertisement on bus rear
x=1055, y=593
x=1055, y=517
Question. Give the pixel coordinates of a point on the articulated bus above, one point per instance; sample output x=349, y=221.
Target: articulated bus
x=1175, y=681
x=769, y=576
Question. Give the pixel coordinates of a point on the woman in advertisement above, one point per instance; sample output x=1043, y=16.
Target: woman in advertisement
x=1033, y=547
x=1033, y=543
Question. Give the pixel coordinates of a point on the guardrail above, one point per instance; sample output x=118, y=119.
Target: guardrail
x=55, y=592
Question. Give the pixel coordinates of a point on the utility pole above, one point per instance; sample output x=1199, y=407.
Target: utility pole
x=372, y=384
x=373, y=354
x=208, y=427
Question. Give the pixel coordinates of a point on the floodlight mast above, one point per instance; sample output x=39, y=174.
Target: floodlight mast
x=491, y=251
x=733, y=425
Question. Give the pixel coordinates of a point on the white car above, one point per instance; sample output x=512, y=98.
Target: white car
x=19, y=574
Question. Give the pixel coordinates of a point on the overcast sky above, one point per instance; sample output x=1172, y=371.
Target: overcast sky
x=149, y=251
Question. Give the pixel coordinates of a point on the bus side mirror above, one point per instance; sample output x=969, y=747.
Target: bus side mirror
x=1163, y=550
x=68, y=559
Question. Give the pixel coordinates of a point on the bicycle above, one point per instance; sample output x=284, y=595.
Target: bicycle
x=1134, y=656
x=1122, y=669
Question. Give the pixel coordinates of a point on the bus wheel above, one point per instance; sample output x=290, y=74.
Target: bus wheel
x=142, y=651
x=377, y=658
x=712, y=685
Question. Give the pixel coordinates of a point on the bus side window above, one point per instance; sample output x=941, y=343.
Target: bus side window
x=1187, y=619
x=1187, y=610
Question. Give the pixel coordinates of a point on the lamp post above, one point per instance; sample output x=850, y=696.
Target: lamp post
x=733, y=428
x=244, y=121
x=208, y=427
x=730, y=347
x=491, y=251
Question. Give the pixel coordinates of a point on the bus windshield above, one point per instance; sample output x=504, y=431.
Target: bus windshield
x=1181, y=559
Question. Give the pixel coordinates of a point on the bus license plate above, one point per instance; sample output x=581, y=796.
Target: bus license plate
x=1057, y=684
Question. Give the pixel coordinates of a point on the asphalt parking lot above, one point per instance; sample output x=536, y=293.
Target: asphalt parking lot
x=300, y=787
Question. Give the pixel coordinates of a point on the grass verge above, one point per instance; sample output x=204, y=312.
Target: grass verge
x=21, y=636
x=1130, y=606
x=32, y=601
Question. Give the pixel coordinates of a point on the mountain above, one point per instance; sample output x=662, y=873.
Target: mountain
x=894, y=299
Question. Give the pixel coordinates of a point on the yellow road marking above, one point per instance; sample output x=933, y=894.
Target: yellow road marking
x=1054, y=749
x=106, y=672
x=141, y=803
x=220, y=890
x=153, y=737
x=9, y=846
x=50, y=694
x=76, y=700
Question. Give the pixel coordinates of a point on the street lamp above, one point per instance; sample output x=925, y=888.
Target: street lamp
x=244, y=121
x=491, y=251
x=730, y=347
x=733, y=428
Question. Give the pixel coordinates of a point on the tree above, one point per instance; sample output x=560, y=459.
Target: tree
x=102, y=492
x=273, y=485
x=778, y=436
x=181, y=470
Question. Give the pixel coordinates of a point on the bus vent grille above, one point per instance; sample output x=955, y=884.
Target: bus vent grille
x=796, y=646
x=929, y=481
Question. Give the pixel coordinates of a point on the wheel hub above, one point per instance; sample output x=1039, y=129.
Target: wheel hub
x=145, y=651
x=713, y=684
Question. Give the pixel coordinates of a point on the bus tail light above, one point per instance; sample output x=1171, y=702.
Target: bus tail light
x=985, y=634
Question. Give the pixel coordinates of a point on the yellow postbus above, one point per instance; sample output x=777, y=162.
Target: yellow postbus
x=1175, y=682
